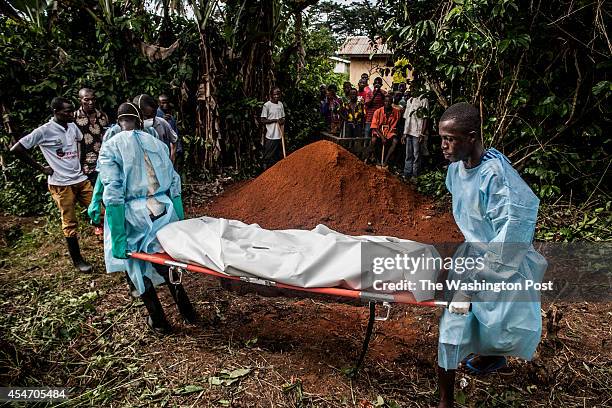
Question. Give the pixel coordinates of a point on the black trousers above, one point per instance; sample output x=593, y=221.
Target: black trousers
x=272, y=152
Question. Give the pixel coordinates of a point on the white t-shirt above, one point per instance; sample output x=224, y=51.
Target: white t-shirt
x=273, y=111
x=414, y=123
x=60, y=147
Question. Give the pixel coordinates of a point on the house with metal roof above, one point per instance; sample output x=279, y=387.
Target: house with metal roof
x=367, y=56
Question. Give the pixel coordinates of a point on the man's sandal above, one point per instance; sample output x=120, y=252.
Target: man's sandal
x=497, y=364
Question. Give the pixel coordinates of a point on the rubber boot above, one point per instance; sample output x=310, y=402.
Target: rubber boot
x=180, y=296
x=157, y=319
x=75, y=254
x=183, y=303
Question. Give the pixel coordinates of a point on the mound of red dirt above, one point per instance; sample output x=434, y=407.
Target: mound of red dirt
x=324, y=183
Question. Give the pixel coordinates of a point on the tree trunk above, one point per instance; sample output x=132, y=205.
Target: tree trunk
x=301, y=53
x=166, y=32
x=258, y=65
x=207, y=113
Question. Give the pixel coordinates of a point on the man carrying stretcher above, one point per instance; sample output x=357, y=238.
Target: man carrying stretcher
x=496, y=212
x=142, y=194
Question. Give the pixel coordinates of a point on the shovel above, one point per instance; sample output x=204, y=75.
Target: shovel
x=381, y=166
x=282, y=132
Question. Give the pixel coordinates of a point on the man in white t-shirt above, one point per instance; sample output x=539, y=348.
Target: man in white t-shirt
x=59, y=141
x=273, y=116
x=415, y=132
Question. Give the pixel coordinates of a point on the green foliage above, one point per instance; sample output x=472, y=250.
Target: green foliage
x=433, y=183
x=356, y=18
x=565, y=223
x=301, y=99
x=76, y=51
x=22, y=191
x=545, y=94
x=96, y=47
x=58, y=317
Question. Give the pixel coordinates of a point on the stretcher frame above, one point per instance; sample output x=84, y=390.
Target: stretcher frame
x=372, y=298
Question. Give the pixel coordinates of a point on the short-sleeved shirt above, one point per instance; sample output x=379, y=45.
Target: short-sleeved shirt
x=378, y=100
x=172, y=122
x=163, y=129
x=92, y=130
x=273, y=111
x=60, y=147
x=354, y=113
x=365, y=95
x=414, y=116
x=386, y=123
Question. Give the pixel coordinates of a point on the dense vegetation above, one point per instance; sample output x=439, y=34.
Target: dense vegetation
x=60, y=50
x=538, y=70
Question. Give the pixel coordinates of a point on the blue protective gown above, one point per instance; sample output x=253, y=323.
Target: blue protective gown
x=123, y=173
x=496, y=212
x=116, y=129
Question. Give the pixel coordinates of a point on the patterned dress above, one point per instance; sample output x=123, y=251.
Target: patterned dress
x=92, y=129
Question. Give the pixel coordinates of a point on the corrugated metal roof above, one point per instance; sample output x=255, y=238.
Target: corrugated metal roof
x=361, y=45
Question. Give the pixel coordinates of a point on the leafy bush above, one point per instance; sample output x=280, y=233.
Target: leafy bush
x=76, y=51
x=544, y=93
x=433, y=183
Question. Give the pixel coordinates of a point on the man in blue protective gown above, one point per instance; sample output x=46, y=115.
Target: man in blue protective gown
x=142, y=193
x=95, y=207
x=496, y=212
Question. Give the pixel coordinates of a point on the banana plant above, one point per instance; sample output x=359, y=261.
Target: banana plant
x=31, y=11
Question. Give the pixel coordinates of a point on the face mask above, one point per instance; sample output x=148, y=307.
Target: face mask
x=148, y=123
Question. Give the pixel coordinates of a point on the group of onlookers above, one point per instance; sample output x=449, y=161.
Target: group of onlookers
x=385, y=117
x=137, y=190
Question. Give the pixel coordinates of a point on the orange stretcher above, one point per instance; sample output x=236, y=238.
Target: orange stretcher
x=371, y=297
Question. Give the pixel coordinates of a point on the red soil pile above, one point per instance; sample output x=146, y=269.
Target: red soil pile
x=324, y=183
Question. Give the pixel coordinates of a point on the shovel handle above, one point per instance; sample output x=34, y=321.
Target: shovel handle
x=282, y=132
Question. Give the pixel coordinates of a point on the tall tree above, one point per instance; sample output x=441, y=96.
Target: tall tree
x=365, y=17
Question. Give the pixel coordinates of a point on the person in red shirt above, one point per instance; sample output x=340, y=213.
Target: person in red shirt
x=384, y=129
x=365, y=93
x=374, y=102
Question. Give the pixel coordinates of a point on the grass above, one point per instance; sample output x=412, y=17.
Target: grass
x=64, y=329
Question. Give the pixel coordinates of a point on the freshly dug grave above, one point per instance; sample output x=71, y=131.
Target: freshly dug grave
x=323, y=183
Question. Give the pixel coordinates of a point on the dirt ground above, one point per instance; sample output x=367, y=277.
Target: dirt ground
x=59, y=328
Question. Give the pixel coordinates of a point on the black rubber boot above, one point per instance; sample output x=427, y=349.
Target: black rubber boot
x=75, y=254
x=157, y=319
x=180, y=296
x=183, y=303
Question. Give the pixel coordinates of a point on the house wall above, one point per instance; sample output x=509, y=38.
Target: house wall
x=359, y=65
x=341, y=67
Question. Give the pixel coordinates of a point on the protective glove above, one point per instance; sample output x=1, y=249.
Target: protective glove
x=460, y=304
x=95, y=207
x=115, y=214
x=177, y=202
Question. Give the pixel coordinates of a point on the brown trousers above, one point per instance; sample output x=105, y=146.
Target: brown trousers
x=66, y=198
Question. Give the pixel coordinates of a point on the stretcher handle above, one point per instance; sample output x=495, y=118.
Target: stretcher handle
x=403, y=298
